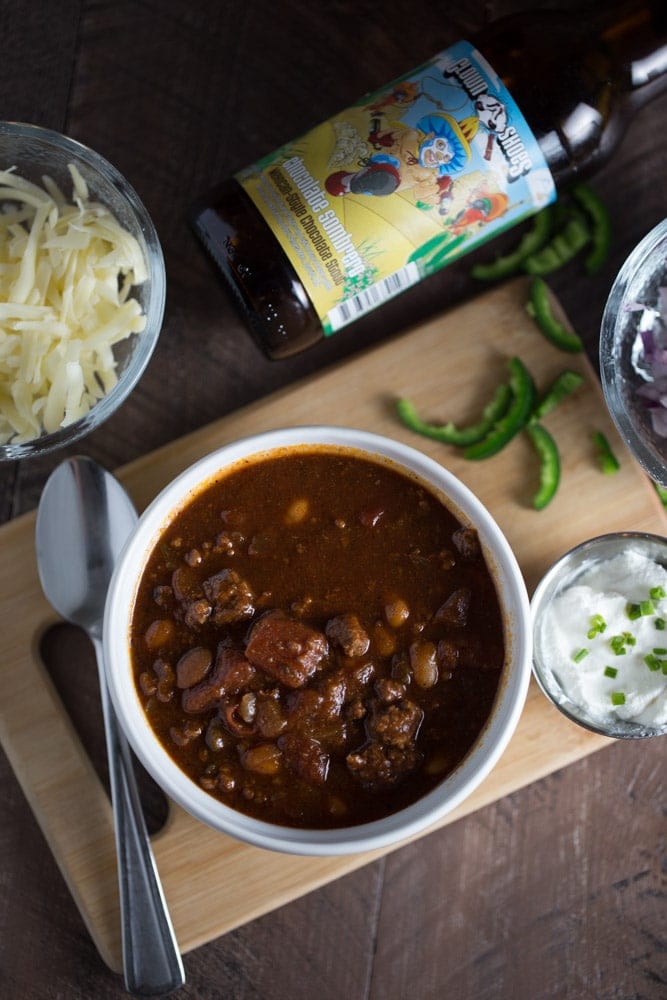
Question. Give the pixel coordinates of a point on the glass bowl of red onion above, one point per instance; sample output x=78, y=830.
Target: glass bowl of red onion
x=633, y=353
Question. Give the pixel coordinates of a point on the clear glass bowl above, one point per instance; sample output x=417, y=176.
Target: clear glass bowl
x=35, y=151
x=624, y=366
x=563, y=574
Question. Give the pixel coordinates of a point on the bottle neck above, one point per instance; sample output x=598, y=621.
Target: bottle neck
x=579, y=79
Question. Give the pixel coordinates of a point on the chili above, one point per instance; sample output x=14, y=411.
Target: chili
x=561, y=249
x=606, y=458
x=508, y=426
x=317, y=639
x=530, y=243
x=451, y=434
x=547, y=451
x=564, y=384
x=600, y=227
x=539, y=307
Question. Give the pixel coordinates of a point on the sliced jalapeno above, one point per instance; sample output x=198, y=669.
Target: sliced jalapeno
x=662, y=493
x=561, y=387
x=523, y=401
x=530, y=243
x=560, y=250
x=549, y=464
x=451, y=434
x=600, y=227
x=606, y=459
x=539, y=307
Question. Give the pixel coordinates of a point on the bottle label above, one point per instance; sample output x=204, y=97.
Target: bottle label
x=401, y=184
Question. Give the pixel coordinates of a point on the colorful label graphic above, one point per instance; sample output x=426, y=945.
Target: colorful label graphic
x=396, y=187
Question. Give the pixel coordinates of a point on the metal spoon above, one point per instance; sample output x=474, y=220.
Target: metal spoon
x=83, y=520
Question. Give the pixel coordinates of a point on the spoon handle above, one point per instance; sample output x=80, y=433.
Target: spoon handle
x=151, y=960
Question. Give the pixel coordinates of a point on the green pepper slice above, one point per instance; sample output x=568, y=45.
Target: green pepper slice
x=561, y=387
x=662, y=493
x=539, y=307
x=517, y=416
x=565, y=245
x=606, y=459
x=549, y=464
x=530, y=243
x=451, y=434
x=598, y=215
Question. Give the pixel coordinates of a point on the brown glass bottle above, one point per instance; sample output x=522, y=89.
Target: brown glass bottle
x=577, y=80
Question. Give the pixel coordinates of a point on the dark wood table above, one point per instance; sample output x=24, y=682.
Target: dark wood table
x=555, y=891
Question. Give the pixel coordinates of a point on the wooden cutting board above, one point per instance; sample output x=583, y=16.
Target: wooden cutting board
x=447, y=366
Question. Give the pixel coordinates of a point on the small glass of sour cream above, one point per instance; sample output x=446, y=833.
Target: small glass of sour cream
x=600, y=634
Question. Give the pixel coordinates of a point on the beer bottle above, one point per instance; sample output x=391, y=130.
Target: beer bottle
x=413, y=176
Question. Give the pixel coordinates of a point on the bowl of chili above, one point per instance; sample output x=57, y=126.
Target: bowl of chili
x=318, y=641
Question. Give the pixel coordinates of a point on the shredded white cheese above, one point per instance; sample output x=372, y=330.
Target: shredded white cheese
x=66, y=273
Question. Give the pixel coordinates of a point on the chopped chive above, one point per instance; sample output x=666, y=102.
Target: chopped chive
x=660, y=651
x=660, y=624
x=610, y=671
x=580, y=655
x=657, y=593
x=641, y=610
x=664, y=666
x=598, y=625
x=653, y=662
x=617, y=698
x=619, y=642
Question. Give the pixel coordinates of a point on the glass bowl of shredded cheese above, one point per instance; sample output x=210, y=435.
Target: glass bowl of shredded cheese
x=633, y=353
x=82, y=290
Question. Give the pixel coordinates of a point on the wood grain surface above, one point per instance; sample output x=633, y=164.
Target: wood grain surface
x=55, y=772
x=555, y=890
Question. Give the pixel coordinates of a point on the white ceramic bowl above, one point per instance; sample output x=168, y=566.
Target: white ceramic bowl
x=36, y=152
x=433, y=806
x=626, y=365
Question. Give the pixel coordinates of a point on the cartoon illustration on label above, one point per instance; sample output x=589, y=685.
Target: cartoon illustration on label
x=399, y=185
x=421, y=159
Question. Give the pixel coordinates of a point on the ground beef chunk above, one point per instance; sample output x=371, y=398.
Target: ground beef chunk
x=378, y=767
x=455, y=610
x=230, y=597
x=390, y=752
x=196, y=612
x=318, y=711
x=191, y=605
x=163, y=596
x=389, y=690
x=467, y=543
x=396, y=724
x=447, y=655
x=473, y=653
x=306, y=757
x=286, y=649
x=347, y=632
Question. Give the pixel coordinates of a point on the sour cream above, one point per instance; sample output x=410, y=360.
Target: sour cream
x=606, y=637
